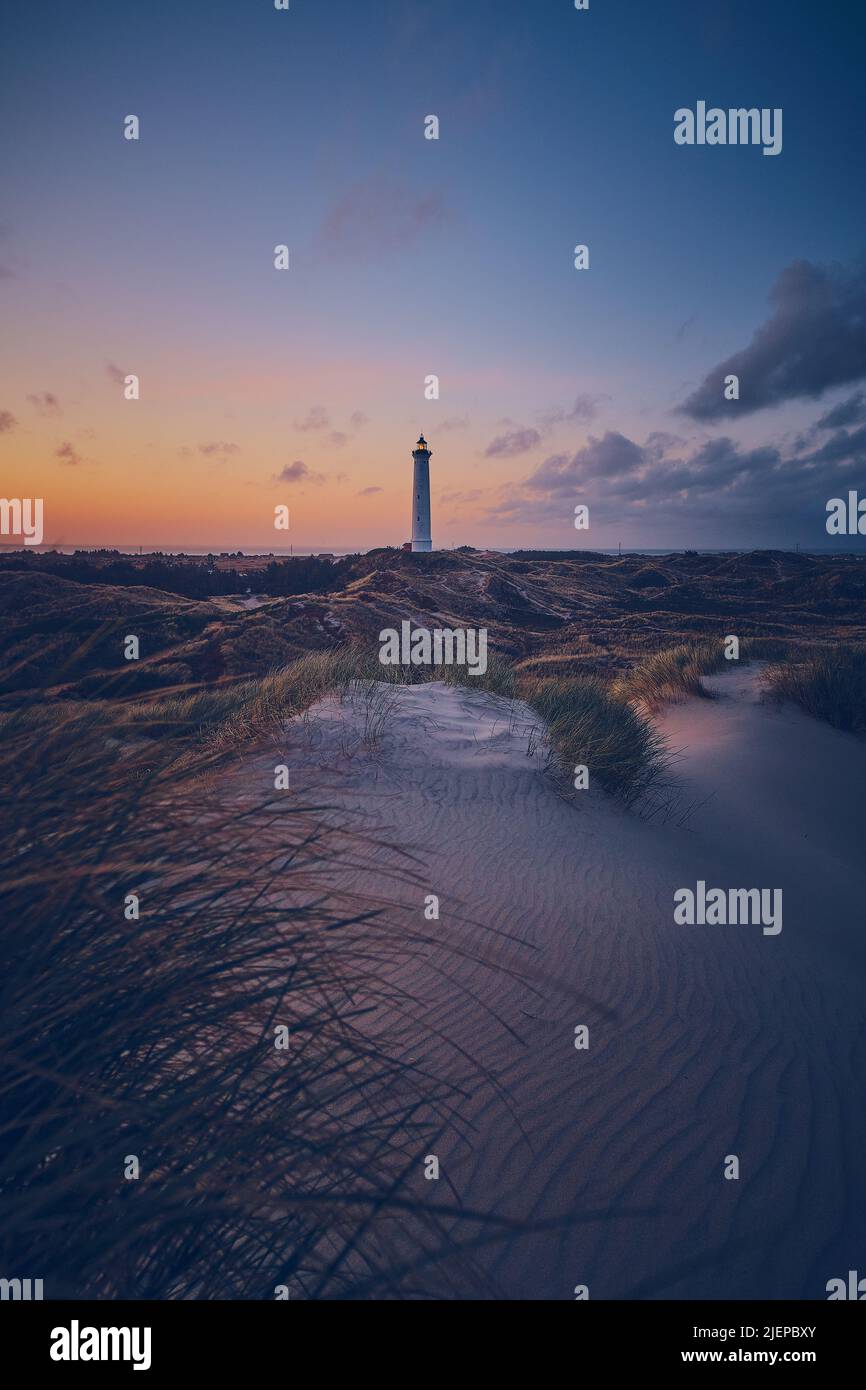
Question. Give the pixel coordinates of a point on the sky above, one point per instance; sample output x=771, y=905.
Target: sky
x=412, y=257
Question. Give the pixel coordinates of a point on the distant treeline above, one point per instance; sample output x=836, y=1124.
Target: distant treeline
x=192, y=578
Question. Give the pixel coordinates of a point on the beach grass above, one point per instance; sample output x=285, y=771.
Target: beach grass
x=675, y=673
x=589, y=726
x=146, y=1035
x=829, y=684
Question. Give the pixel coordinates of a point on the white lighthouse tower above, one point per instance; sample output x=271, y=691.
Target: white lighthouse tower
x=421, y=497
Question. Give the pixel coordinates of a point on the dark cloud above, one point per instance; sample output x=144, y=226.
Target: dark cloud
x=605, y=457
x=7, y=421
x=294, y=472
x=765, y=490
x=848, y=412
x=218, y=447
x=298, y=472
x=45, y=404
x=815, y=339
x=455, y=422
x=68, y=454
x=661, y=442
x=513, y=443
x=358, y=419
x=368, y=491
x=842, y=445
x=115, y=373
x=337, y=439
x=377, y=216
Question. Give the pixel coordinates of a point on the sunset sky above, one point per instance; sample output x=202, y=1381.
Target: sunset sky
x=411, y=257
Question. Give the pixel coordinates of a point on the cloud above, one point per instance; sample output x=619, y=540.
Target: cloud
x=298, y=472
x=606, y=457
x=358, y=419
x=684, y=327
x=68, y=455
x=46, y=404
x=815, y=339
x=218, y=447
x=115, y=373
x=377, y=215
x=368, y=491
x=316, y=419
x=848, y=412
x=702, y=487
x=842, y=445
x=514, y=442
x=337, y=438
x=586, y=407
x=7, y=421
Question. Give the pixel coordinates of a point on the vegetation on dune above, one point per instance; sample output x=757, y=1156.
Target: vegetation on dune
x=829, y=684
x=668, y=675
x=603, y=724
x=676, y=672
x=193, y=578
x=589, y=726
x=63, y=618
x=155, y=1038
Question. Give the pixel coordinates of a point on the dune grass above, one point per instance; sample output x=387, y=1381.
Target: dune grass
x=589, y=722
x=669, y=675
x=604, y=725
x=155, y=1038
x=588, y=725
x=674, y=673
x=829, y=684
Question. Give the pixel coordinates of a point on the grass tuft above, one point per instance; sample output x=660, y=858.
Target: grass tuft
x=829, y=684
x=588, y=725
x=670, y=675
x=675, y=673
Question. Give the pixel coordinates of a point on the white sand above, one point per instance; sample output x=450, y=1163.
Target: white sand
x=704, y=1040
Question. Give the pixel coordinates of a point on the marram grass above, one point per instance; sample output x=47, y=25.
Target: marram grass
x=153, y=1038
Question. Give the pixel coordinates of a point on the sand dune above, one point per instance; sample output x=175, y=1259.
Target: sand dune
x=705, y=1041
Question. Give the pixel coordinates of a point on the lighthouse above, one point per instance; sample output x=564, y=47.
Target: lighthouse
x=421, y=497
